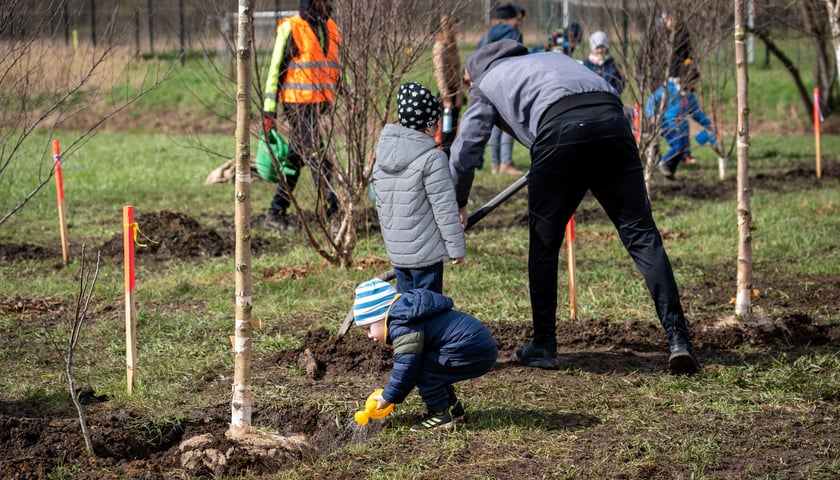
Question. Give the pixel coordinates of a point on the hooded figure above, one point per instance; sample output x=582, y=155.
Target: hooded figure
x=601, y=62
x=415, y=200
x=572, y=122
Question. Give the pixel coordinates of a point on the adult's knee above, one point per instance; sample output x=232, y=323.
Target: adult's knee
x=639, y=232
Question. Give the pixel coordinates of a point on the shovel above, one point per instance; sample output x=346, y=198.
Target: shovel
x=474, y=218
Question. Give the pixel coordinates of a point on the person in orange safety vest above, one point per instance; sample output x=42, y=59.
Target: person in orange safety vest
x=303, y=77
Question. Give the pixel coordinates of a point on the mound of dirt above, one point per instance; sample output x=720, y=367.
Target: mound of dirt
x=167, y=234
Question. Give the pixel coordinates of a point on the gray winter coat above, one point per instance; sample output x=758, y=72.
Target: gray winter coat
x=415, y=200
x=512, y=89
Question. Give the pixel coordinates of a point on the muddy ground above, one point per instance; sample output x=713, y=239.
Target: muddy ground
x=32, y=445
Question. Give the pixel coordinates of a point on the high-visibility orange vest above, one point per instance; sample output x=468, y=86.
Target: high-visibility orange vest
x=311, y=76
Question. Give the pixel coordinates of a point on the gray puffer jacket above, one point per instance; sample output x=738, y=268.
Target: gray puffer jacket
x=415, y=199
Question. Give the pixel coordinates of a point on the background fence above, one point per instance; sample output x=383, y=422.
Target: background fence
x=151, y=26
x=156, y=26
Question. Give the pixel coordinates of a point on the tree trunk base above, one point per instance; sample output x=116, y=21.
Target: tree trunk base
x=243, y=449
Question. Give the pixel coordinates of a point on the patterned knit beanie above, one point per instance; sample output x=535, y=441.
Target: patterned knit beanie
x=373, y=299
x=416, y=106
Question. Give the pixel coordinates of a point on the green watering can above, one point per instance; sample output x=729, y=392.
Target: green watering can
x=273, y=157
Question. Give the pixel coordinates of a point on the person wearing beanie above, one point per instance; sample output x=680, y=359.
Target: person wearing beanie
x=434, y=347
x=414, y=196
x=507, y=10
x=601, y=62
x=573, y=124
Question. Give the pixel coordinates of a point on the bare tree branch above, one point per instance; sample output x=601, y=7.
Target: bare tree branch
x=43, y=86
x=87, y=284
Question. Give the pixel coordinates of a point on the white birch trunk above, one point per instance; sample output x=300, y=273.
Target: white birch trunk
x=833, y=12
x=241, y=403
x=743, y=298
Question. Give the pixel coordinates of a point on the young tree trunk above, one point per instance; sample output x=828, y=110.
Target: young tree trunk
x=744, y=279
x=833, y=7
x=241, y=403
x=87, y=283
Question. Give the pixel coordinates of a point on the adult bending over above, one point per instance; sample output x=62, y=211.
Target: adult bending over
x=573, y=124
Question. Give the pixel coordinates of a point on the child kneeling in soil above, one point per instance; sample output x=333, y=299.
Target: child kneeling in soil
x=434, y=347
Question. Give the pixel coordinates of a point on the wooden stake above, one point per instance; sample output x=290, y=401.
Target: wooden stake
x=637, y=122
x=59, y=195
x=817, y=123
x=570, y=250
x=129, y=227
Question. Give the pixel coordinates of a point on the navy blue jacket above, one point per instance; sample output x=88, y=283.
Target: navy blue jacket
x=423, y=327
x=499, y=32
x=609, y=72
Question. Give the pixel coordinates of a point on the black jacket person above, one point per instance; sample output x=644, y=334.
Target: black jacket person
x=572, y=122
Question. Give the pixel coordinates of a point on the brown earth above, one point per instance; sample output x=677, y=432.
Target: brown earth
x=33, y=444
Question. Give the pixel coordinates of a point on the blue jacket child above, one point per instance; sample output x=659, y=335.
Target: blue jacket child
x=434, y=347
x=680, y=104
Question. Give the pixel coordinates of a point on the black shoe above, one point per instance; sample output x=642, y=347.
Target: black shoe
x=682, y=361
x=459, y=414
x=534, y=356
x=666, y=171
x=279, y=222
x=431, y=421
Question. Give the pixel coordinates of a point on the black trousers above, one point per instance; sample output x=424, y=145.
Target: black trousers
x=305, y=148
x=592, y=149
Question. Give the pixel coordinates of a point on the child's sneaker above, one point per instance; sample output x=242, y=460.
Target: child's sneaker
x=459, y=414
x=431, y=421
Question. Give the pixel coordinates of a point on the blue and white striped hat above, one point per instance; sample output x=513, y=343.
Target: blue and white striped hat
x=373, y=298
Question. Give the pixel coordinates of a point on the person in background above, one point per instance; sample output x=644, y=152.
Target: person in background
x=573, y=123
x=434, y=346
x=506, y=26
x=449, y=78
x=665, y=53
x=601, y=62
x=520, y=12
x=415, y=199
x=676, y=103
x=565, y=40
x=302, y=78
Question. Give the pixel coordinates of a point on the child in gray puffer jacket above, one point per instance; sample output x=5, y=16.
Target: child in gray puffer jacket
x=415, y=196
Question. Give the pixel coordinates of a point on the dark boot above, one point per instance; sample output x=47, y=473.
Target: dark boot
x=539, y=357
x=682, y=361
